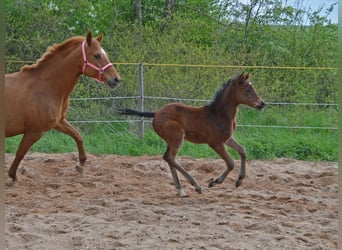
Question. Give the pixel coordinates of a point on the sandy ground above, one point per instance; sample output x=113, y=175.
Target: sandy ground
x=130, y=203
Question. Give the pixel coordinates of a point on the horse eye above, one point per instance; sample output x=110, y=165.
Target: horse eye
x=247, y=87
x=97, y=56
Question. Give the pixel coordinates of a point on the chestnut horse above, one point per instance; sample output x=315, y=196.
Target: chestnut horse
x=37, y=97
x=212, y=124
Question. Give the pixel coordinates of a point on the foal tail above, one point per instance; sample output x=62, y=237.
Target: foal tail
x=135, y=112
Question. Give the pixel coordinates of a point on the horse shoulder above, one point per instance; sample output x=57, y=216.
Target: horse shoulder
x=222, y=124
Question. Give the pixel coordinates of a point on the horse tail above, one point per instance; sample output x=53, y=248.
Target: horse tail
x=135, y=112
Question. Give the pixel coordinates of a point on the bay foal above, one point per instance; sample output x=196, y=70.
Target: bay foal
x=212, y=124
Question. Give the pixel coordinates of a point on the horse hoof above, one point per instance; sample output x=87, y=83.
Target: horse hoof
x=79, y=169
x=212, y=183
x=198, y=190
x=181, y=192
x=238, y=183
x=13, y=177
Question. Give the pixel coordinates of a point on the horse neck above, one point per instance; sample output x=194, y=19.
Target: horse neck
x=63, y=69
x=226, y=106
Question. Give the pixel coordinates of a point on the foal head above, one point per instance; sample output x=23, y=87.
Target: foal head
x=246, y=94
x=96, y=63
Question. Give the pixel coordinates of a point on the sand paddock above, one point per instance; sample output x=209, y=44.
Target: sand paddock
x=122, y=202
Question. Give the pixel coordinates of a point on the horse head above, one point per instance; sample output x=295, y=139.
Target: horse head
x=96, y=63
x=246, y=93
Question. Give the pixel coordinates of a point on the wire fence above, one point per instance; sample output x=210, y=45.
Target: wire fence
x=140, y=120
x=140, y=99
x=205, y=101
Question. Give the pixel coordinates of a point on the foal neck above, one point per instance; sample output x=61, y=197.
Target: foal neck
x=224, y=101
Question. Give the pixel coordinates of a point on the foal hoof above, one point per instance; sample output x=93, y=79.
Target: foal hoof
x=212, y=183
x=181, y=192
x=238, y=183
x=79, y=169
x=198, y=190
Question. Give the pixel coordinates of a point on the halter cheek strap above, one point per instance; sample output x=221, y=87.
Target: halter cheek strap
x=86, y=63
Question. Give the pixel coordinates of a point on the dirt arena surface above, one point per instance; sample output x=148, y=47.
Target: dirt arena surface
x=122, y=202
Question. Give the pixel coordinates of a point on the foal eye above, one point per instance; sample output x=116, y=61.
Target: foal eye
x=97, y=56
x=248, y=88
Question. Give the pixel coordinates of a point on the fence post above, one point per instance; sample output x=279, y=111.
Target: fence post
x=141, y=97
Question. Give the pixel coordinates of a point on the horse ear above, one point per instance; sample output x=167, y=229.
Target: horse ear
x=99, y=38
x=89, y=38
x=244, y=77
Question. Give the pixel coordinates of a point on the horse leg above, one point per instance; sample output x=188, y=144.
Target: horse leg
x=221, y=151
x=175, y=139
x=65, y=127
x=242, y=152
x=174, y=175
x=174, y=165
x=26, y=142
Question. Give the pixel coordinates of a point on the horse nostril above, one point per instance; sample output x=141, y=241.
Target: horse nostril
x=262, y=105
x=117, y=79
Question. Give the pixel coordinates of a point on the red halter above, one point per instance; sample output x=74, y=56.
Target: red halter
x=86, y=63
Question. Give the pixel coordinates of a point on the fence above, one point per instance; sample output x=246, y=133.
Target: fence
x=140, y=98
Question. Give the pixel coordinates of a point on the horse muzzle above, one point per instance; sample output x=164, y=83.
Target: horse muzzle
x=113, y=83
x=260, y=105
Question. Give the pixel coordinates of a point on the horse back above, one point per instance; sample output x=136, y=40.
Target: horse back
x=198, y=124
x=189, y=121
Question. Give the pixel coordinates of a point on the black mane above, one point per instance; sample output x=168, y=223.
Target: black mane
x=219, y=93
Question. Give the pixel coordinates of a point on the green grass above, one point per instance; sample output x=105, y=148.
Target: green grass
x=260, y=143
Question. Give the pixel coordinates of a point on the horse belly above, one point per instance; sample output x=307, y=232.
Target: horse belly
x=14, y=116
x=195, y=135
x=19, y=123
x=25, y=112
x=13, y=127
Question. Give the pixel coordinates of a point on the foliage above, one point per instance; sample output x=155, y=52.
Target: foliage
x=258, y=33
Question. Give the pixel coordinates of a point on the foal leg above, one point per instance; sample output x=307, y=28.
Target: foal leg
x=65, y=127
x=189, y=177
x=26, y=142
x=242, y=152
x=174, y=165
x=174, y=175
x=221, y=151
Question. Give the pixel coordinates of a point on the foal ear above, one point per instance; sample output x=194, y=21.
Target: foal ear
x=89, y=38
x=99, y=38
x=244, y=77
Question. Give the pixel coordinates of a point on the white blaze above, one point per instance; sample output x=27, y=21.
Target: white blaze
x=103, y=51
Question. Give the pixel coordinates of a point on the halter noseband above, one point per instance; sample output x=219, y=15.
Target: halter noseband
x=86, y=63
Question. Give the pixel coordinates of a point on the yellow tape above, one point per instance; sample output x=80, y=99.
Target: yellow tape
x=227, y=66
x=208, y=66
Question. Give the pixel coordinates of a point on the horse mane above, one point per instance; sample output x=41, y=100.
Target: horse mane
x=53, y=50
x=220, y=92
